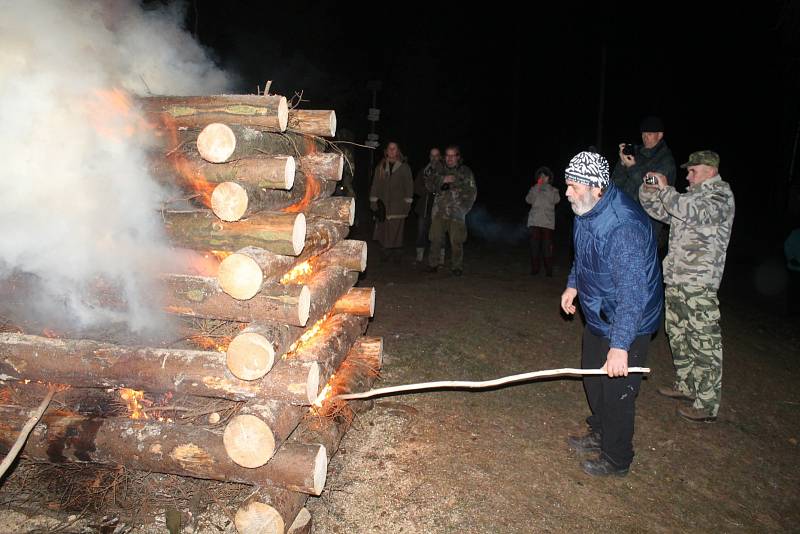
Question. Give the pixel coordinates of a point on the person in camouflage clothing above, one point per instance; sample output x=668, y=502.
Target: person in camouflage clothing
x=700, y=228
x=424, y=201
x=652, y=155
x=454, y=190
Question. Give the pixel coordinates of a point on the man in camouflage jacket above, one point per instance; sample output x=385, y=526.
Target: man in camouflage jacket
x=454, y=192
x=700, y=228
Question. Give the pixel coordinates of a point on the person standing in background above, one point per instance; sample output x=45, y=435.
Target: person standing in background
x=543, y=198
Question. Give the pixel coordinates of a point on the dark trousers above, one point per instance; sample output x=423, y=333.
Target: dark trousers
x=612, y=400
x=423, y=226
x=541, y=240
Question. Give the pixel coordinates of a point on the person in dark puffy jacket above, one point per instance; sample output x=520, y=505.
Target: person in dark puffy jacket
x=617, y=279
x=653, y=155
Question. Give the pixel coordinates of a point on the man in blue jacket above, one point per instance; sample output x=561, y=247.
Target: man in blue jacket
x=617, y=279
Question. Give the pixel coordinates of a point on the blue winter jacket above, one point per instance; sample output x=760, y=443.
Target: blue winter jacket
x=616, y=270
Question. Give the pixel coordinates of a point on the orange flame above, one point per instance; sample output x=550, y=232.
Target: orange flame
x=112, y=114
x=193, y=178
x=133, y=399
x=313, y=187
x=210, y=343
x=220, y=254
x=325, y=394
x=301, y=270
x=306, y=337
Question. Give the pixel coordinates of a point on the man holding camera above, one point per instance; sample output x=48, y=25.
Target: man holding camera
x=454, y=190
x=700, y=228
x=637, y=160
x=617, y=279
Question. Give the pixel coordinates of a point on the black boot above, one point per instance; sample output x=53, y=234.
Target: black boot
x=586, y=443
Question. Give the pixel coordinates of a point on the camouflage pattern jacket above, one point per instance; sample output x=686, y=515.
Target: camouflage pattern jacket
x=424, y=198
x=456, y=200
x=700, y=228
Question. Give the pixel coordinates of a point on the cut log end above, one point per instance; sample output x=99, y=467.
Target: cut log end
x=283, y=114
x=229, y=201
x=333, y=125
x=352, y=220
x=250, y=356
x=363, y=255
x=240, y=276
x=341, y=166
x=291, y=168
x=248, y=441
x=299, y=233
x=304, y=305
x=216, y=142
x=312, y=383
x=258, y=518
x=302, y=523
x=372, y=303
x=320, y=470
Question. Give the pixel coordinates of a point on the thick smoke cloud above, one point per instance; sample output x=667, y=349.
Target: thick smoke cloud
x=78, y=204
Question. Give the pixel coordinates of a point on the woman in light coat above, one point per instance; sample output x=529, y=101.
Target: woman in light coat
x=543, y=198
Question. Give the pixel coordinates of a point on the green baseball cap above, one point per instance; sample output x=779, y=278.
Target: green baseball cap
x=702, y=157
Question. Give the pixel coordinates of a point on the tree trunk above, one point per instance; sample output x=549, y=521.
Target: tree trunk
x=219, y=143
x=185, y=450
x=231, y=201
x=313, y=122
x=339, y=209
x=92, y=364
x=185, y=168
x=327, y=286
x=268, y=112
x=280, y=506
x=201, y=296
x=281, y=233
x=330, y=346
x=252, y=352
x=323, y=165
x=242, y=273
x=348, y=253
x=359, y=301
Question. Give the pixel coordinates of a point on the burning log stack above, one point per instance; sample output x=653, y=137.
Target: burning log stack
x=250, y=408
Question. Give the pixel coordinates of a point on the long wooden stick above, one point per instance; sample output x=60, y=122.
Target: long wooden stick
x=23, y=435
x=480, y=385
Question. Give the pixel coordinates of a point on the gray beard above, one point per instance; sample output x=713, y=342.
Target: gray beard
x=584, y=204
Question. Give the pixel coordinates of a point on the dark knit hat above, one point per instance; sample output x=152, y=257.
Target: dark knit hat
x=651, y=123
x=588, y=168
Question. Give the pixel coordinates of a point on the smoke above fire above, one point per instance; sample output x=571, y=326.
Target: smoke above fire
x=78, y=203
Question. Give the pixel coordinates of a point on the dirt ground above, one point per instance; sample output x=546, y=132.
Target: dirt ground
x=497, y=461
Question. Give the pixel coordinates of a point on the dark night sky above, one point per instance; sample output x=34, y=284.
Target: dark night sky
x=520, y=91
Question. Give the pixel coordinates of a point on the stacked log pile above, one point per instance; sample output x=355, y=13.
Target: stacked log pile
x=259, y=184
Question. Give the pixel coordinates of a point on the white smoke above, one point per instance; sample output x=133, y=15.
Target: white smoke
x=77, y=202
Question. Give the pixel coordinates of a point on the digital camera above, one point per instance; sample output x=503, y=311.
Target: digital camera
x=651, y=179
x=629, y=149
